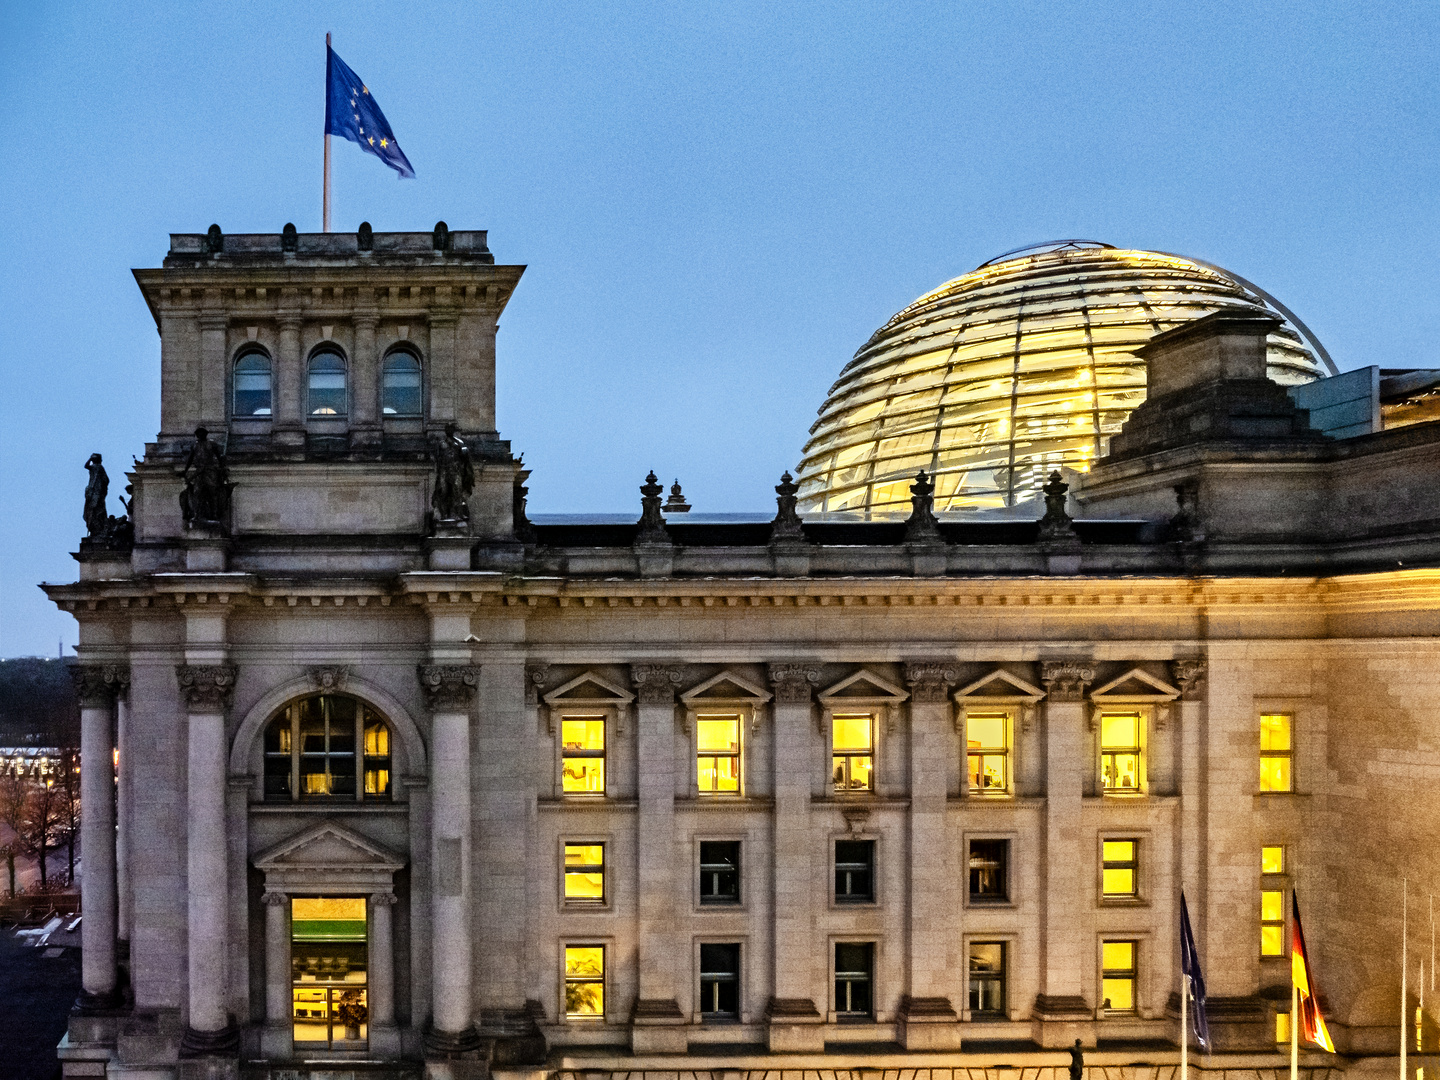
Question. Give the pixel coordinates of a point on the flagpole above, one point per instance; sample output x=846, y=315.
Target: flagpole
x=1294, y=1024
x=1184, y=1024
x=325, y=212
x=1404, y=975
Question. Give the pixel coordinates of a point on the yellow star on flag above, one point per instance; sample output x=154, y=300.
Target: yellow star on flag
x=383, y=142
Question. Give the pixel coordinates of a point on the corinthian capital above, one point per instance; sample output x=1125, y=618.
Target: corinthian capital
x=206, y=686
x=655, y=684
x=794, y=683
x=929, y=680
x=97, y=685
x=449, y=686
x=1065, y=680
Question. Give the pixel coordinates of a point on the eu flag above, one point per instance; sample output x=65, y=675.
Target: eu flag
x=352, y=111
x=1194, y=982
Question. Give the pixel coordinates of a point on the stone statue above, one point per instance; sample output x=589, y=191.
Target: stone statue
x=1056, y=527
x=96, y=518
x=454, y=477
x=206, y=497
x=1077, y=1062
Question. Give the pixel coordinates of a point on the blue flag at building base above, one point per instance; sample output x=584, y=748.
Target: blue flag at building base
x=352, y=112
x=1193, y=981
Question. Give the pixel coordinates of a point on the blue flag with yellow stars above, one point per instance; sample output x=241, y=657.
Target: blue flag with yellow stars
x=352, y=112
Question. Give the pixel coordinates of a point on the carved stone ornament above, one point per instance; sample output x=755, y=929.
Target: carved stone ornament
x=655, y=684
x=787, y=525
x=921, y=526
x=1065, y=680
x=794, y=683
x=1057, y=528
x=384, y=899
x=652, y=521
x=929, y=681
x=97, y=685
x=275, y=899
x=329, y=678
x=1189, y=675
x=206, y=686
x=536, y=675
x=449, y=686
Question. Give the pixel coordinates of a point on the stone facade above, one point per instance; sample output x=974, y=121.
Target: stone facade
x=1305, y=586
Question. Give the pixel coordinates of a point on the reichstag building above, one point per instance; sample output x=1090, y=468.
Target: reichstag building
x=1096, y=582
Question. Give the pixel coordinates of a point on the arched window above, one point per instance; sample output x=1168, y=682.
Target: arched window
x=327, y=384
x=400, y=385
x=327, y=747
x=252, y=385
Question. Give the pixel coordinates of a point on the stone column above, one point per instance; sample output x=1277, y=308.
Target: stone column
x=209, y=1030
x=450, y=691
x=97, y=687
x=365, y=415
x=125, y=891
x=794, y=1022
x=928, y=1017
x=289, y=374
x=384, y=1035
x=277, y=1042
x=214, y=370
x=1062, y=1014
x=657, y=1023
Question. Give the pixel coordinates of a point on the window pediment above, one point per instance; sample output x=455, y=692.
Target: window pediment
x=327, y=848
x=1136, y=685
x=726, y=688
x=863, y=688
x=589, y=688
x=1000, y=687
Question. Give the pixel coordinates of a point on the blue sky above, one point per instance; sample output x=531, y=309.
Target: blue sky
x=717, y=204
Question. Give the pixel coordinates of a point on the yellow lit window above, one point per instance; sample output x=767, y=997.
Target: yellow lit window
x=1272, y=923
x=585, y=982
x=1120, y=761
x=1117, y=873
x=987, y=745
x=1117, y=979
x=1282, y=1027
x=717, y=764
x=582, y=747
x=1272, y=859
x=377, y=759
x=1275, y=752
x=584, y=873
x=853, y=749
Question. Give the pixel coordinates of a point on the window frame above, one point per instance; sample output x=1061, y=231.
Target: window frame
x=742, y=716
x=580, y=905
x=606, y=945
x=1007, y=947
x=1145, y=716
x=738, y=904
x=364, y=714
x=871, y=788
x=606, y=717
x=1139, y=893
x=1287, y=755
x=245, y=352
x=1007, y=752
x=403, y=348
x=847, y=1017
x=739, y=1016
x=836, y=899
x=1136, y=966
x=980, y=901
x=1278, y=882
x=323, y=349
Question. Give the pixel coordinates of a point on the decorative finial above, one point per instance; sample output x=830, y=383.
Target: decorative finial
x=921, y=527
x=676, y=503
x=652, y=523
x=787, y=524
x=1056, y=527
x=289, y=238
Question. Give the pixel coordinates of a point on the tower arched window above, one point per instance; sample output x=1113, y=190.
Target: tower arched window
x=252, y=385
x=327, y=748
x=400, y=384
x=328, y=394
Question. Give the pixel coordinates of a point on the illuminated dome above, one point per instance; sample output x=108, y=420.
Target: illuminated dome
x=1021, y=366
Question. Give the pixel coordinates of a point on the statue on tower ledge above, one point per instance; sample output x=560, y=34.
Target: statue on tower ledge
x=454, y=477
x=206, y=498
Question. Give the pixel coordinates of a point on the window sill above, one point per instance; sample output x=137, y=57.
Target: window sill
x=578, y=907
x=329, y=807
x=1124, y=902
x=982, y=904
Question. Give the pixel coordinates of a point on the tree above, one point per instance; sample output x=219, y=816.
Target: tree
x=14, y=794
x=67, y=809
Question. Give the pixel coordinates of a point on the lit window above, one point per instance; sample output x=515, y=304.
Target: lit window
x=310, y=751
x=328, y=395
x=987, y=746
x=1272, y=859
x=987, y=978
x=720, y=982
x=989, y=870
x=1282, y=1027
x=854, y=871
x=400, y=385
x=854, y=975
x=1117, y=870
x=1275, y=752
x=1117, y=961
x=718, y=760
x=719, y=871
x=853, y=748
x=252, y=385
x=585, y=982
x=1272, y=923
x=582, y=742
x=1120, y=751
x=584, y=873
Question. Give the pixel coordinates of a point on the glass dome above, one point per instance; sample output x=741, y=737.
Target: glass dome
x=1022, y=366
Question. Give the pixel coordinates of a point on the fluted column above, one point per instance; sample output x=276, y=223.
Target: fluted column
x=450, y=691
x=97, y=687
x=365, y=406
x=206, y=690
x=277, y=1041
x=124, y=886
x=289, y=373
x=384, y=1035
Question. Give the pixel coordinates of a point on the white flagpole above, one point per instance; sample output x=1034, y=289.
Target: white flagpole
x=1184, y=1024
x=1294, y=1020
x=325, y=213
x=1404, y=976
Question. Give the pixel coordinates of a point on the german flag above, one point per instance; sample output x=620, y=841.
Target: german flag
x=1312, y=1024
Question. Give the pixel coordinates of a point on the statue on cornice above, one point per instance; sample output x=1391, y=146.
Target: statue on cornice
x=206, y=498
x=96, y=491
x=454, y=477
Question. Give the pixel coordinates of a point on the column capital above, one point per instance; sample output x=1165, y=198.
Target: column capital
x=1065, y=680
x=384, y=899
x=930, y=680
x=97, y=685
x=449, y=687
x=794, y=683
x=655, y=684
x=536, y=672
x=274, y=899
x=206, y=687
x=1189, y=675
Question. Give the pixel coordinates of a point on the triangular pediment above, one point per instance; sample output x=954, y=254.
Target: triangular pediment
x=590, y=689
x=328, y=846
x=727, y=686
x=863, y=686
x=1000, y=685
x=1137, y=684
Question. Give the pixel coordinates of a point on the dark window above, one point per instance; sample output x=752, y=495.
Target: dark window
x=400, y=385
x=719, y=871
x=987, y=978
x=327, y=386
x=720, y=982
x=252, y=385
x=854, y=975
x=989, y=870
x=310, y=751
x=854, y=871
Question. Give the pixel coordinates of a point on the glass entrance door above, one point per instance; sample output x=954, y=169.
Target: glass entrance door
x=328, y=962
